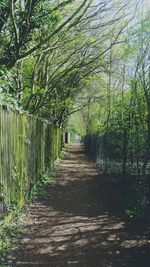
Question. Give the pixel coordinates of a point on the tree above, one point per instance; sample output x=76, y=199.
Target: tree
x=23, y=26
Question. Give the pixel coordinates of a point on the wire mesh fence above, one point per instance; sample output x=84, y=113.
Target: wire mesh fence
x=121, y=161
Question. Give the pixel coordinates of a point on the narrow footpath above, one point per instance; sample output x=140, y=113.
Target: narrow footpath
x=75, y=223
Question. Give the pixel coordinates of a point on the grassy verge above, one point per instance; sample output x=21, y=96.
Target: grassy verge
x=8, y=230
x=13, y=224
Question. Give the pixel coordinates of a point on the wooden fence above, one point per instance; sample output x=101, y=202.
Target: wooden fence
x=28, y=146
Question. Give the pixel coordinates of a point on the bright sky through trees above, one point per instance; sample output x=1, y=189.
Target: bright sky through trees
x=61, y=57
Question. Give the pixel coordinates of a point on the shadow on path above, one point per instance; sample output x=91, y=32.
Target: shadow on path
x=75, y=223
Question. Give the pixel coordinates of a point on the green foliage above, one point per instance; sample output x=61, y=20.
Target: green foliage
x=14, y=227
x=6, y=79
x=55, y=62
x=10, y=101
x=43, y=182
x=62, y=155
x=63, y=53
x=117, y=127
x=132, y=213
x=7, y=232
x=1, y=192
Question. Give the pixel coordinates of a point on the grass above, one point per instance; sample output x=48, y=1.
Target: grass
x=13, y=225
x=46, y=179
x=9, y=230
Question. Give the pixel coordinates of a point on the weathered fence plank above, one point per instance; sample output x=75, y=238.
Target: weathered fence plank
x=28, y=146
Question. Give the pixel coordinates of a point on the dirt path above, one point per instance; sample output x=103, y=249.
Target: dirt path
x=74, y=224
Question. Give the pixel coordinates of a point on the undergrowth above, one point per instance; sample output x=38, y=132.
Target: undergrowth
x=46, y=179
x=9, y=230
x=125, y=194
x=12, y=226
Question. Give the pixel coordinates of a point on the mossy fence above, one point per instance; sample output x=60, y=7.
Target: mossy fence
x=28, y=147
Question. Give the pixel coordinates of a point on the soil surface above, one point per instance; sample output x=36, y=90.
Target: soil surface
x=75, y=223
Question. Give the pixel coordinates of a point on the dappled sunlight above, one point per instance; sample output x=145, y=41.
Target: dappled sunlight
x=135, y=243
x=73, y=224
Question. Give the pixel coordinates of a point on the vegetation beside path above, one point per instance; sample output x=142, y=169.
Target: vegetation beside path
x=84, y=67
x=75, y=222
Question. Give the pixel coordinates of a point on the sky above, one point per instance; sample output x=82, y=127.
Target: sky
x=146, y=5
